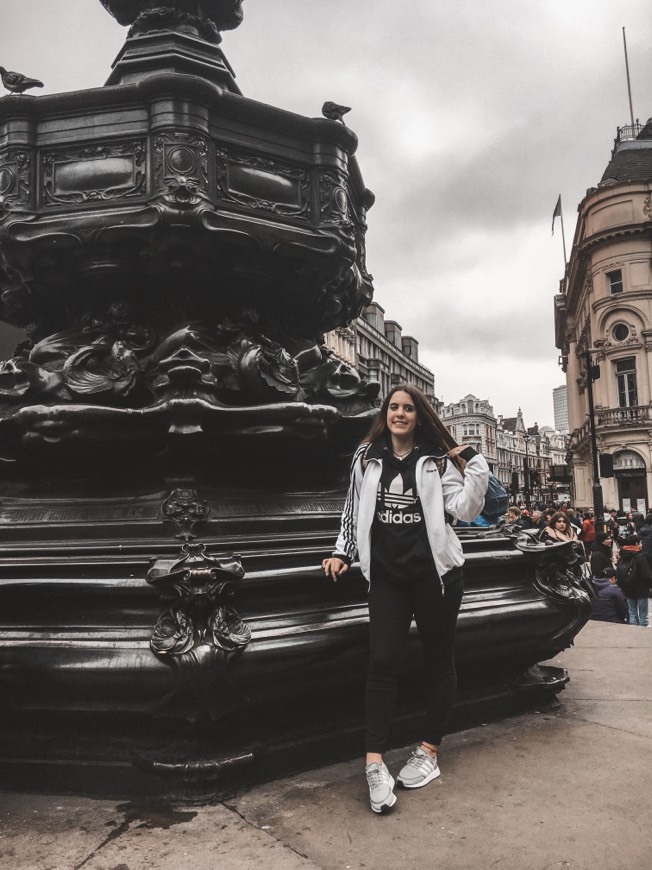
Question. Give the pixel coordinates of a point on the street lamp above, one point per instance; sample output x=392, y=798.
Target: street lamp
x=526, y=469
x=592, y=374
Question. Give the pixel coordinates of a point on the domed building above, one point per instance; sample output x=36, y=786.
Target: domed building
x=603, y=328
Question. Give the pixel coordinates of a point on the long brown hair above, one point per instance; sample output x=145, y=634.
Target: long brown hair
x=431, y=427
x=560, y=515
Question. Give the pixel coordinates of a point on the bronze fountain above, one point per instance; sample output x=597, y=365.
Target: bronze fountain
x=174, y=437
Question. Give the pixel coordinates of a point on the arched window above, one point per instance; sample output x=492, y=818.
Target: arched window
x=626, y=460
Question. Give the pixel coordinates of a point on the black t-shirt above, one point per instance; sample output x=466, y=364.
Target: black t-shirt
x=400, y=551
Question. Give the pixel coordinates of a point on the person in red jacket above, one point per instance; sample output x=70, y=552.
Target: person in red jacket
x=588, y=533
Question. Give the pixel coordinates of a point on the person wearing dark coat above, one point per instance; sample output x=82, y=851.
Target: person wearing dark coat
x=635, y=579
x=645, y=534
x=610, y=604
x=601, y=556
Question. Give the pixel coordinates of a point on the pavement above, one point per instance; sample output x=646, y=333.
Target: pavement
x=568, y=789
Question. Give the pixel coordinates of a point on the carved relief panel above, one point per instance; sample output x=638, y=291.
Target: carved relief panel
x=334, y=207
x=16, y=182
x=93, y=173
x=263, y=184
x=181, y=168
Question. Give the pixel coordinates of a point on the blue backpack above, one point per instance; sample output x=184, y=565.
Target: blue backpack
x=496, y=501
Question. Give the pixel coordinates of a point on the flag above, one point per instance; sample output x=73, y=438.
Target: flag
x=556, y=213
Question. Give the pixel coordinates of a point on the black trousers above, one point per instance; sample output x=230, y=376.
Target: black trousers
x=391, y=608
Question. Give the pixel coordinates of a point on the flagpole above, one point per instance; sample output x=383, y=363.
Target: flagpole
x=559, y=212
x=629, y=86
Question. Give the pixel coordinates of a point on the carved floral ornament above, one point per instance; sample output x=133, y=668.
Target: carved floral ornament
x=15, y=178
x=647, y=207
x=181, y=169
x=198, y=587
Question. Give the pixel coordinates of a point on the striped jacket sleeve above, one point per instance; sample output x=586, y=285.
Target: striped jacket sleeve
x=346, y=544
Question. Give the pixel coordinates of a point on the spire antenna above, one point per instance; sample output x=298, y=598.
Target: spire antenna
x=629, y=84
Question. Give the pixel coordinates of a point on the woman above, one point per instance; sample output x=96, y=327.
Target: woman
x=558, y=529
x=601, y=554
x=635, y=580
x=406, y=477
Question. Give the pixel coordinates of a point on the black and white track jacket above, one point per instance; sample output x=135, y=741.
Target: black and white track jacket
x=462, y=496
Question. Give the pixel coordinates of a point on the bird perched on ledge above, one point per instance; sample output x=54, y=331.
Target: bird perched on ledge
x=16, y=83
x=334, y=112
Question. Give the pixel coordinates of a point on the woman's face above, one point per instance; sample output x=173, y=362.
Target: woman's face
x=561, y=525
x=402, y=417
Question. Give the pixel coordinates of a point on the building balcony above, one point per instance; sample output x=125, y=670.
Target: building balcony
x=628, y=133
x=638, y=415
x=613, y=419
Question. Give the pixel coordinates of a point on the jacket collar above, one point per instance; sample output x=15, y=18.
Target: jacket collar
x=382, y=447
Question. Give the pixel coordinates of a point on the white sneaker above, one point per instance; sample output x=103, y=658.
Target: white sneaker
x=419, y=770
x=381, y=787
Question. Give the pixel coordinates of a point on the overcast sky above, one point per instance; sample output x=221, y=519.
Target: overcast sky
x=472, y=115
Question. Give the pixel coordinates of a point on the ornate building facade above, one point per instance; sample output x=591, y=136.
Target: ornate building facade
x=603, y=327
x=377, y=348
x=509, y=446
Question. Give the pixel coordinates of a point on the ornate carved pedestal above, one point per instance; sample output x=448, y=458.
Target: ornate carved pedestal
x=174, y=436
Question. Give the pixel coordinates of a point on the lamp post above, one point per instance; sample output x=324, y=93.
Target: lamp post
x=592, y=374
x=526, y=469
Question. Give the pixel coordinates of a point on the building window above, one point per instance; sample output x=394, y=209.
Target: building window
x=615, y=281
x=620, y=331
x=626, y=378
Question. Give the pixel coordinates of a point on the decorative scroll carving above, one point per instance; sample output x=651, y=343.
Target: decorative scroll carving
x=181, y=169
x=99, y=360
x=184, y=508
x=259, y=183
x=198, y=587
x=334, y=200
x=647, y=207
x=15, y=178
x=95, y=173
x=558, y=572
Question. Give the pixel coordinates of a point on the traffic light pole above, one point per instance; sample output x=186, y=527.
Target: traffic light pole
x=598, y=500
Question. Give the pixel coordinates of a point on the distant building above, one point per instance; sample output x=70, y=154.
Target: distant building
x=378, y=349
x=560, y=408
x=472, y=421
x=605, y=303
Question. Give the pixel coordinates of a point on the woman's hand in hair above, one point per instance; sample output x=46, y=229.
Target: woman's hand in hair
x=333, y=567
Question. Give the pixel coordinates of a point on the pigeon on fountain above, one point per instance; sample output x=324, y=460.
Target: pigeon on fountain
x=334, y=112
x=16, y=82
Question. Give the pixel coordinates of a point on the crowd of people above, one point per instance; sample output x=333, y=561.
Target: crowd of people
x=620, y=557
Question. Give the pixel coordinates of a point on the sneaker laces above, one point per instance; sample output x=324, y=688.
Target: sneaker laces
x=418, y=757
x=376, y=777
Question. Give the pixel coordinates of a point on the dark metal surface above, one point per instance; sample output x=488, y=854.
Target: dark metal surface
x=175, y=438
